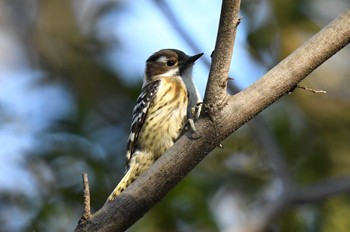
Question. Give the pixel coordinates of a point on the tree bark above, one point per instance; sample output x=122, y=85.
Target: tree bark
x=222, y=115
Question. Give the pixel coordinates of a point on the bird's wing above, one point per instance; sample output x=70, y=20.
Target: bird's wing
x=139, y=114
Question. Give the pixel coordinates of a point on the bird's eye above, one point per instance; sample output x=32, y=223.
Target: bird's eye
x=170, y=63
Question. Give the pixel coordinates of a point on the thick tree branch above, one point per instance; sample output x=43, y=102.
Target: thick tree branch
x=169, y=169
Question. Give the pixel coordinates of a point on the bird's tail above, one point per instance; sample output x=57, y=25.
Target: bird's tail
x=136, y=168
x=125, y=182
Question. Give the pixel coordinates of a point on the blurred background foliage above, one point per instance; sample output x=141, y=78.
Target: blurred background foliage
x=57, y=47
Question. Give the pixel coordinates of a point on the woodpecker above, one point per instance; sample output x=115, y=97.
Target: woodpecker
x=167, y=101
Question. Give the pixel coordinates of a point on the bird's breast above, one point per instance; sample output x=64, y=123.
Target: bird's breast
x=166, y=116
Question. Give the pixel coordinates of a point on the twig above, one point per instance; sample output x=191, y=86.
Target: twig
x=87, y=209
x=311, y=90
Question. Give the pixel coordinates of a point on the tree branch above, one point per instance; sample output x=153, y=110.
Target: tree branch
x=274, y=154
x=86, y=216
x=170, y=168
x=309, y=194
x=87, y=208
x=322, y=190
x=215, y=93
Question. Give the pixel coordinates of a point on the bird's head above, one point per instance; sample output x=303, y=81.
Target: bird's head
x=169, y=62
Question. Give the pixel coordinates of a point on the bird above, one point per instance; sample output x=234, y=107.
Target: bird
x=167, y=101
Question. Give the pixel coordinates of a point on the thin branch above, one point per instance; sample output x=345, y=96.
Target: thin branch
x=87, y=209
x=311, y=90
x=215, y=93
x=274, y=154
x=322, y=190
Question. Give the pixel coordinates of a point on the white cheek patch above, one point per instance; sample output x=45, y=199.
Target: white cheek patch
x=171, y=72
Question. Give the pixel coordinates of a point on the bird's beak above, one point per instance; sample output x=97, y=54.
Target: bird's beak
x=192, y=59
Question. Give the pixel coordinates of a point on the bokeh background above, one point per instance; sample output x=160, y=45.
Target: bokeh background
x=70, y=72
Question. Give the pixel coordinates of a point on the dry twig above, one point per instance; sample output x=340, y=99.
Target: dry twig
x=311, y=90
x=87, y=209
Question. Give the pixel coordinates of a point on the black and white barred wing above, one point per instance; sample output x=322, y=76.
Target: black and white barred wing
x=139, y=114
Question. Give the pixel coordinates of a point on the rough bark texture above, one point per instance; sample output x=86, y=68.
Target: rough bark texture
x=219, y=120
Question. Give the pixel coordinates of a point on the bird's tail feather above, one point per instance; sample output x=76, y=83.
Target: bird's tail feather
x=121, y=186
